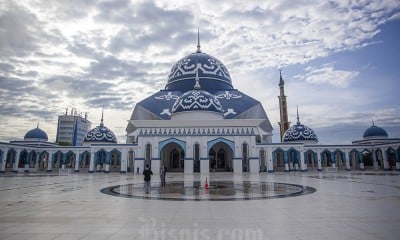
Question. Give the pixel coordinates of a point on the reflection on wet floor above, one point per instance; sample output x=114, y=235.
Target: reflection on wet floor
x=217, y=191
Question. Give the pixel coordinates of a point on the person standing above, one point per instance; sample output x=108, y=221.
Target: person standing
x=162, y=175
x=147, y=179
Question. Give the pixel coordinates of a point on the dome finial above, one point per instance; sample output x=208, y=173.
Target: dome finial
x=197, y=79
x=37, y=126
x=298, y=119
x=102, y=117
x=373, y=124
x=198, y=41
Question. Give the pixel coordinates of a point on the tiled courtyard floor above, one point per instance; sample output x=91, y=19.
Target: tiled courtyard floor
x=346, y=205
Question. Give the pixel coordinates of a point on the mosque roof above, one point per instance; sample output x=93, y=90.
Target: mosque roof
x=375, y=132
x=36, y=133
x=216, y=93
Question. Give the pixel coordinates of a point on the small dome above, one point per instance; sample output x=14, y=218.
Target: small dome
x=197, y=100
x=37, y=134
x=300, y=133
x=375, y=132
x=213, y=74
x=100, y=134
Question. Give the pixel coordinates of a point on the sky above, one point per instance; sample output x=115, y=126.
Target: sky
x=339, y=59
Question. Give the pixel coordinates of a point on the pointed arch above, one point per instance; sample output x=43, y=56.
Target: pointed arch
x=326, y=158
x=339, y=157
x=278, y=159
x=84, y=159
x=11, y=158
x=311, y=158
x=70, y=159
x=220, y=155
x=115, y=159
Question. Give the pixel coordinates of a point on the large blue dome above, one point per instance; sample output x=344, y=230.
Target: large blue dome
x=212, y=73
x=100, y=134
x=36, y=133
x=375, y=132
x=197, y=100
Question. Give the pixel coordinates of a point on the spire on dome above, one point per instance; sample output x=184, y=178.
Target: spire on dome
x=197, y=79
x=37, y=126
x=373, y=124
x=198, y=41
x=298, y=119
x=102, y=117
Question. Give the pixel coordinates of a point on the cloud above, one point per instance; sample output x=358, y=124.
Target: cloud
x=326, y=73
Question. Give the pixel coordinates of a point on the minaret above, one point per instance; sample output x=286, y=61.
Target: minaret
x=284, y=124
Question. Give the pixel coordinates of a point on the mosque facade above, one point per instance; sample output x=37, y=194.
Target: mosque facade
x=200, y=123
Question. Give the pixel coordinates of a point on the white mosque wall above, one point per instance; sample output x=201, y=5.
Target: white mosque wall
x=346, y=157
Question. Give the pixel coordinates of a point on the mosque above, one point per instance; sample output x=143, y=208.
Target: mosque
x=200, y=123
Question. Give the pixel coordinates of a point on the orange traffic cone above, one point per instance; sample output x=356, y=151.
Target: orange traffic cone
x=206, y=184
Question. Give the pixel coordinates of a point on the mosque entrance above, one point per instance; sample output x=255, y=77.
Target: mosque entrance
x=172, y=157
x=220, y=156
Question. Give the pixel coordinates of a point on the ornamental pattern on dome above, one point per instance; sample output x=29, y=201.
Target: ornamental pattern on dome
x=197, y=100
x=209, y=67
x=299, y=132
x=100, y=134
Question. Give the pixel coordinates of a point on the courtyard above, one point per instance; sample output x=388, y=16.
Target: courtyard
x=294, y=205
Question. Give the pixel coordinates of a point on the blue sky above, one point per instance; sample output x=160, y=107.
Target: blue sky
x=339, y=59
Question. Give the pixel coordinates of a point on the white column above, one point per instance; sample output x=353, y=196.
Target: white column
x=385, y=160
x=319, y=163
x=3, y=160
x=188, y=166
x=303, y=165
x=205, y=165
x=77, y=158
x=49, y=161
x=37, y=162
x=374, y=162
x=91, y=165
x=16, y=162
x=254, y=166
x=270, y=164
x=124, y=160
x=347, y=160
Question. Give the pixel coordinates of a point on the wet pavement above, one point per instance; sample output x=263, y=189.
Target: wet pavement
x=345, y=205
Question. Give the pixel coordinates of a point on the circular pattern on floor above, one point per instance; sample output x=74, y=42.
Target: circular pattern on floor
x=217, y=191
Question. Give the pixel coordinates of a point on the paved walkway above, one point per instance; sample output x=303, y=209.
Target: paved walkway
x=345, y=205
